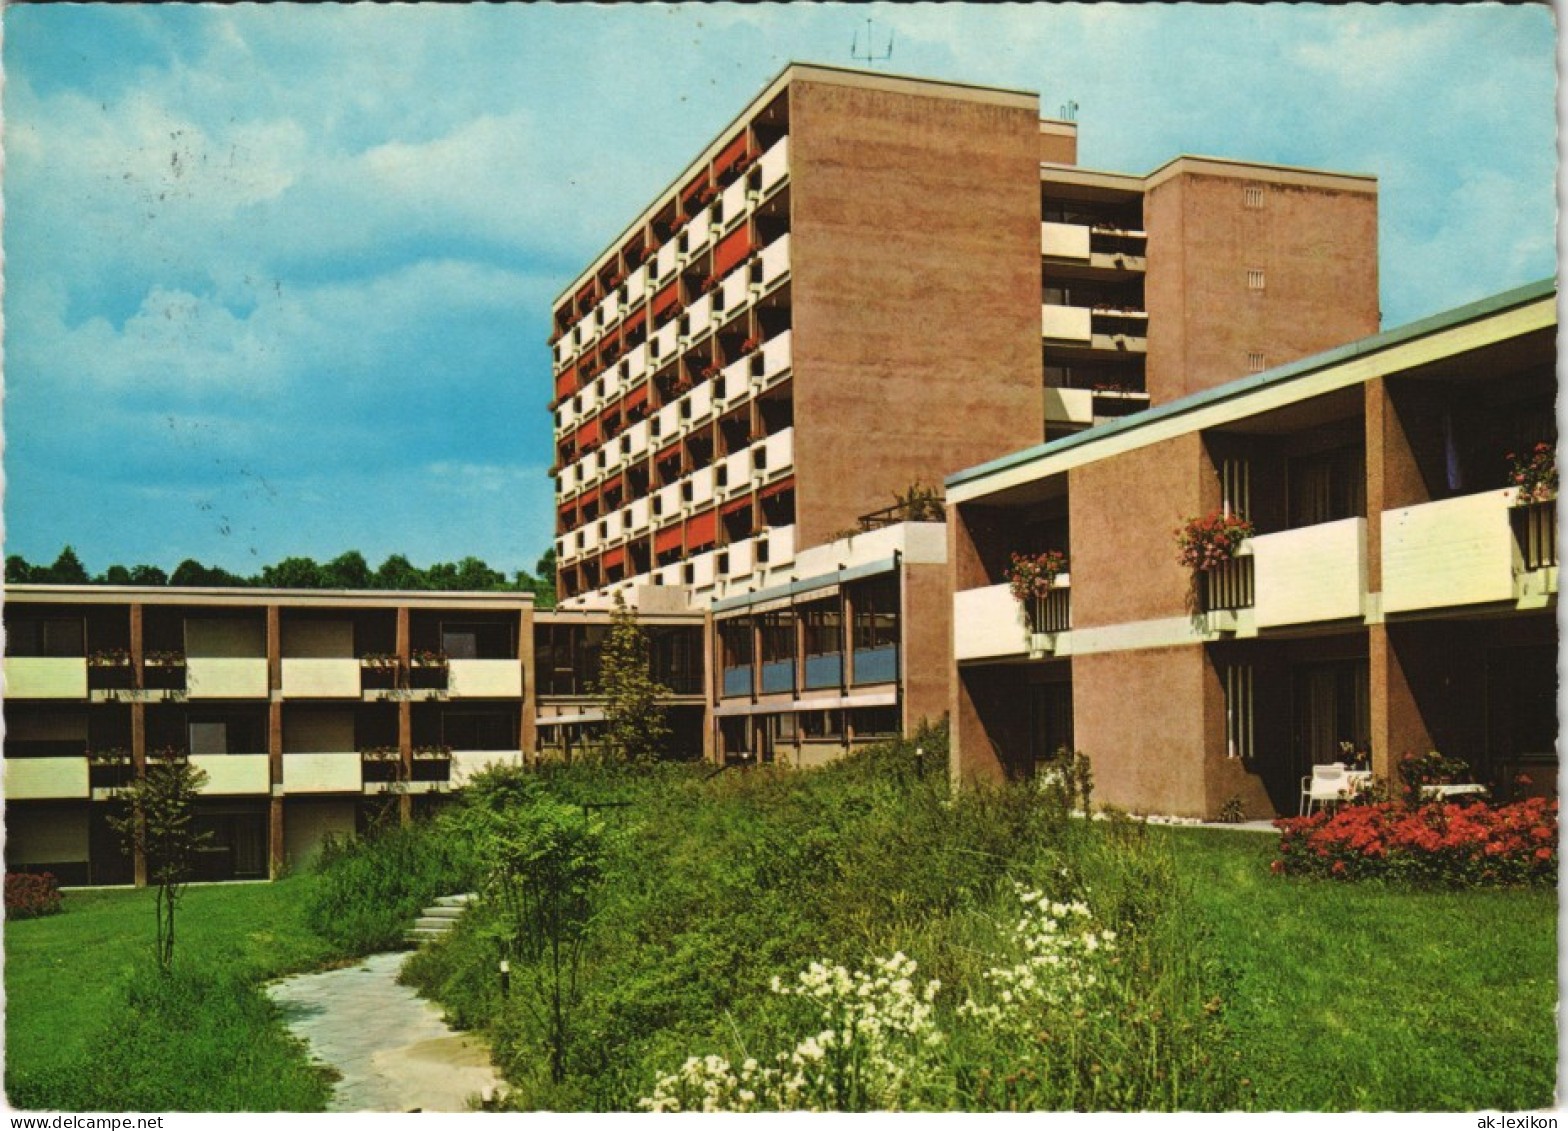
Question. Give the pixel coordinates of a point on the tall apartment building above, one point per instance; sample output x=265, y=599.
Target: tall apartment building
x=867, y=280
x=1397, y=595
x=310, y=712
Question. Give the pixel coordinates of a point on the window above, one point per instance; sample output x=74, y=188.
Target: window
x=821, y=725
x=1327, y=486
x=1256, y=362
x=1236, y=486
x=1238, y=711
x=478, y=641
x=876, y=614
x=1254, y=280
x=1254, y=196
x=50, y=636
x=824, y=630
x=874, y=722
x=479, y=730
x=778, y=637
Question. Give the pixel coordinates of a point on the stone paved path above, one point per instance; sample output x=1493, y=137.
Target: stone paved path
x=393, y=1049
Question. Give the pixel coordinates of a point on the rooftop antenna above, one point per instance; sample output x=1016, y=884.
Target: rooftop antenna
x=870, y=56
x=1069, y=112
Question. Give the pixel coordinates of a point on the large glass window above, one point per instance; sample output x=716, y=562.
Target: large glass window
x=1327, y=486
x=45, y=636
x=479, y=730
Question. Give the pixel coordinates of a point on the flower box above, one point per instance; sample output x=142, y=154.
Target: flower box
x=380, y=754
x=432, y=753
x=1207, y=543
x=109, y=658
x=164, y=660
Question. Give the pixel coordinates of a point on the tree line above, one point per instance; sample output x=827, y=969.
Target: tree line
x=346, y=571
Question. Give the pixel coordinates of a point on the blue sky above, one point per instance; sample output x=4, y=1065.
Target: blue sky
x=278, y=277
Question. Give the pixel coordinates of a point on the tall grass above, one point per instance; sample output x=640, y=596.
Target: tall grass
x=719, y=883
x=370, y=887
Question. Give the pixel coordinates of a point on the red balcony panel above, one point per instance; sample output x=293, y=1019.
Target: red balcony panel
x=735, y=506
x=702, y=530
x=667, y=539
x=613, y=558
x=635, y=321
x=733, y=250
x=588, y=295
x=588, y=498
x=671, y=452
x=779, y=488
x=636, y=398
x=566, y=382
x=731, y=153
x=588, y=434
x=698, y=185
x=667, y=299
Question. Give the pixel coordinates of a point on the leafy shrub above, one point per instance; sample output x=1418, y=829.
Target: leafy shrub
x=370, y=887
x=1440, y=844
x=29, y=895
x=1417, y=771
x=1209, y=542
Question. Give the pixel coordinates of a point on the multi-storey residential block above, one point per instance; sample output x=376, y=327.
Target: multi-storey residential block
x=866, y=281
x=309, y=712
x=1398, y=594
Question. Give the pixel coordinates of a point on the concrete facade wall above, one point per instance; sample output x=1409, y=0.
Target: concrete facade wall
x=1314, y=242
x=915, y=291
x=308, y=822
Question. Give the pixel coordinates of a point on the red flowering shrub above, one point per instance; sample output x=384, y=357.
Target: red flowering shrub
x=28, y=896
x=1448, y=844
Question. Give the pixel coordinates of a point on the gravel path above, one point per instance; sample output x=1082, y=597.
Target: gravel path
x=391, y=1046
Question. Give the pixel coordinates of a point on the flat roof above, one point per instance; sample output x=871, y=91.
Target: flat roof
x=1279, y=375
x=821, y=72
x=237, y=596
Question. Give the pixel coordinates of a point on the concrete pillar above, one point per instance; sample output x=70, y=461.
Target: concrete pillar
x=528, y=711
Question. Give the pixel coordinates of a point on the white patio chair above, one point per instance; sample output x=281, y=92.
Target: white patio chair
x=1326, y=783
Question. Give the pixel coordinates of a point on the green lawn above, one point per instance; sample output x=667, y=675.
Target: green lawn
x=65, y=977
x=1374, y=998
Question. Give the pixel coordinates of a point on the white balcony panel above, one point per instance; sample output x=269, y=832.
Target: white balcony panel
x=321, y=678
x=702, y=569
x=781, y=545
x=734, y=381
x=610, y=309
x=1453, y=552
x=232, y=774
x=775, y=261
x=588, y=399
x=612, y=457
x=637, y=363
x=774, y=164
x=1069, y=406
x=732, y=202
x=610, y=383
x=778, y=452
x=663, y=344
x=46, y=779
x=664, y=261
x=467, y=763
x=701, y=483
x=776, y=355
x=640, y=515
x=734, y=474
x=590, y=537
x=988, y=623
x=335, y=772
x=587, y=332
x=1316, y=573
x=741, y=557
x=697, y=232
x=699, y=316
x=636, y=438
x=565, y=416
x=485, y=679
x=564, y=348
x=1064, y=241
x=566, y=481
x=637, y=286
x=226, y=677
x=735, y=289
x=1065, y=323
x=701, y=401
x=667, y=502
x=666, y=423
x=46, y=677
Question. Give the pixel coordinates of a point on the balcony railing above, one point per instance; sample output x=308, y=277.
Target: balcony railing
x=1051, y=613
x=1229, y=586
x=1535, y=529
x=826, y=670
x=876, y=665
x=778, y=675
